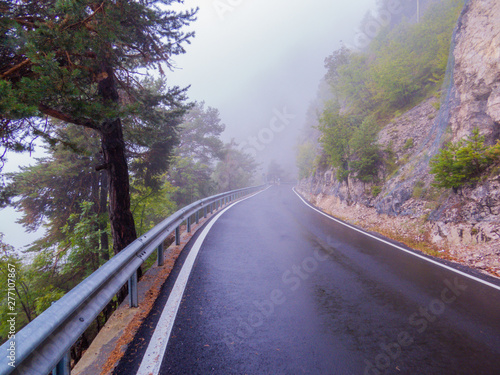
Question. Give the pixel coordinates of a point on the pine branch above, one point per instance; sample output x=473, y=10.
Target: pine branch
x=84, y=22
x=15, y=68
x=67, y=118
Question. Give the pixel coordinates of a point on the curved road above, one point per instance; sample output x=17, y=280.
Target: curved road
x=279, y=288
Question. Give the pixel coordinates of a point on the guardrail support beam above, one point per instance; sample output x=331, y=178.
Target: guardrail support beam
x=133, y=295
x=189, y=224
x=63, y=367
x=177, y=236
x=161, y=255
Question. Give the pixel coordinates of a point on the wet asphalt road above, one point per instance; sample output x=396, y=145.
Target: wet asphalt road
x=278, y=288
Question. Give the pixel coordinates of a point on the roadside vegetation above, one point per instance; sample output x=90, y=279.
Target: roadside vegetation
x=64, y=194
x=404, y=64
x=464, y=163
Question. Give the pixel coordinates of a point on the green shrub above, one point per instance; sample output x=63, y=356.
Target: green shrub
x=461, y=163
x=376, y=190
x=418, y=190
x=365, y=153
x=409, y=144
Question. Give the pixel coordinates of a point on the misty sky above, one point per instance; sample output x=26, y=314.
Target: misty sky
x=259, y=62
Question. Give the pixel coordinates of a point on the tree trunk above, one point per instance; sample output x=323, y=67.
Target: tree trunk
x=122, y=221
x=103, y=204
x=113, y=148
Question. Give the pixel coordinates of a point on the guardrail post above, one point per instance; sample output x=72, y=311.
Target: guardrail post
x=63, y=367
x=161, y=255
x=197, y=217
x=205, y=211
x=212, y=208
x=189, y=224
x=177, y=236
x=133, y=295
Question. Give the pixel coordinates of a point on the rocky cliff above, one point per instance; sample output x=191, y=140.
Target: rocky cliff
x=463, y=226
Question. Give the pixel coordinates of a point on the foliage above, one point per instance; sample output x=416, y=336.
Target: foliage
x=49, y=192
x=29, y=289
x=418, y=190
x=57, y=55
x=306, y=157
x=150, y=206
x=79, y=251
x=195, y=157
x=275, y=173
x=336, y=130
x=462, y=163
x=82, y=62
x=493, y=152
x=350, y=145
x=409, y=144
x=199, y=134
x=364, y=151
x=402, y=63
x=235, y=170
x=376, y=190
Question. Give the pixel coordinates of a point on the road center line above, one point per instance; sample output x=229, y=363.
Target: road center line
x=399, y=247
x=153, y=357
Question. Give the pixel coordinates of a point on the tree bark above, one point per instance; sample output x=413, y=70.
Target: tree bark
x=122, y=221
x=103, y=204
x=113, y=149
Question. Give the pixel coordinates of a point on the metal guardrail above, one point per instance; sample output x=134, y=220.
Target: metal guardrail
x=43, y=345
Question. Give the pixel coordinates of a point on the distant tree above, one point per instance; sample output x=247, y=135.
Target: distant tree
x=236, y=169
x=333, y=63
x=199, y=135
x=275, y=172
x=200, y=148
x=336, y=131
x=364, y=151
x=354, y=85
x=80, y=62
x=306, y=157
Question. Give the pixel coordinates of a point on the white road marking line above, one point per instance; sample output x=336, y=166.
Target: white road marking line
x=399, y=247
x=153, y=357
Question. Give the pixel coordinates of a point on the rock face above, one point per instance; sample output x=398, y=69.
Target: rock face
x=477, y=70
x=466, y=224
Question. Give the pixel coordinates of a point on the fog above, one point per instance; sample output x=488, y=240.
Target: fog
x=259, y=63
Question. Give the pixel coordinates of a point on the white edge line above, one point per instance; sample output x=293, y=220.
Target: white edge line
x=153, y=357
x=399, y=247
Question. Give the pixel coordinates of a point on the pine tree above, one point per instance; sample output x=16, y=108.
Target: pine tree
x=80, y=61
x=195, y=157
